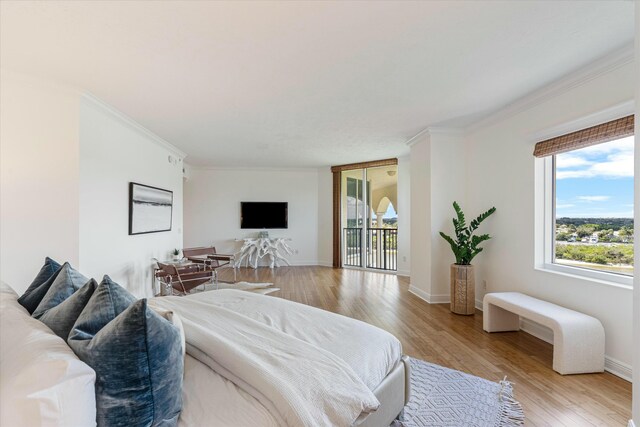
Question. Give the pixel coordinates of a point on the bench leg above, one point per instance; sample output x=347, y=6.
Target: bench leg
x=497, y=319
x=579, y=350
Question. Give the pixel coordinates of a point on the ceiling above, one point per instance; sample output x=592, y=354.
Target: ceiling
x=305, y=84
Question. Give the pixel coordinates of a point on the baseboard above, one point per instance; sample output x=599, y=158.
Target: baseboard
x=617, y=368
x=538, y=331
x=420, y=293
x=325, y=263
x=431, y=299
x=479, y=305
x=403, y=273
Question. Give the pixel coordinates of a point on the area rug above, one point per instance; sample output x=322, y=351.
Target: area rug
x=258, y=288
x=442, y=397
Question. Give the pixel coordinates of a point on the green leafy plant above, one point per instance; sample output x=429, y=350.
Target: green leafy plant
x=176, y=252
x=465, y=246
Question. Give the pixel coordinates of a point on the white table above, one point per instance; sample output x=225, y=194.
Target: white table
x=254, y=249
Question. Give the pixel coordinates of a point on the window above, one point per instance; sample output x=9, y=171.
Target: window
x=589, y=229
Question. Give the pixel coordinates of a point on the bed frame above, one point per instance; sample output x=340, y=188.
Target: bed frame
x=393, y=393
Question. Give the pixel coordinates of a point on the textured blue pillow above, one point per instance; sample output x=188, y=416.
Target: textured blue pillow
x=61, y=318
x=108, y=300
x=138, y=361
x=66, y=282
x=29, y=301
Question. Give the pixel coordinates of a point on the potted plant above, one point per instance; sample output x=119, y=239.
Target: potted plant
x=176, y=254
x=465, y=247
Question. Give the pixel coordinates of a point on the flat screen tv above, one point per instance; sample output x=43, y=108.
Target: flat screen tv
x=264, y=215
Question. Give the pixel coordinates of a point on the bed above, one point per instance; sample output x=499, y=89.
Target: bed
x=251, y=360
x=221, y=391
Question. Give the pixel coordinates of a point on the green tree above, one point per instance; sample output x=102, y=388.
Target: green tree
x=585, y=230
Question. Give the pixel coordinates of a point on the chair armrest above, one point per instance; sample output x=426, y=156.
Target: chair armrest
x=220, y=257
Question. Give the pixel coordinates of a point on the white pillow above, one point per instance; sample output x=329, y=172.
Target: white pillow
x=173, y=318
x=42, y=382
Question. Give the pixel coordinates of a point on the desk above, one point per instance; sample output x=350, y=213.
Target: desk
x=253, y=250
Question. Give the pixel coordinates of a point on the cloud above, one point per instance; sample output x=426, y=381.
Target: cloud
x=606, y=214
x=564, y=206
x=610, y=160
x=593, y=198
x=566, y=161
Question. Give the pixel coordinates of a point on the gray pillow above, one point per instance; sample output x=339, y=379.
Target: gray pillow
x=40, y=285
x=65, y=283
x=137, y=356
x=61, y=318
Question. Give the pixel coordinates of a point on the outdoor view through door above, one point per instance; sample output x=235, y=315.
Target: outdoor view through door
x=369, y=217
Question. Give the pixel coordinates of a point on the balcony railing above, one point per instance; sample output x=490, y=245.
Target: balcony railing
x=381, y=248
x=352, y=247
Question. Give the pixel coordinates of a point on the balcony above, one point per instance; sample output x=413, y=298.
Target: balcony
x=381, y=248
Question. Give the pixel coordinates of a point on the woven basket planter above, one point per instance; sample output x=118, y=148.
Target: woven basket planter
x=463, y=289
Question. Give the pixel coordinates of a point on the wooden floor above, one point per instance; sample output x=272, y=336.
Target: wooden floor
x=431, y=332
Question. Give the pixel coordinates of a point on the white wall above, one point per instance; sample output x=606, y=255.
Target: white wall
x=325, y=217
x=437, y=180
x=212, y=207
x=38, y=176
x=501, y=172
x=66, y=161
x=114, y=152
x=447, y=186
x=636, y=291
x=404, y=216
x=420, y=190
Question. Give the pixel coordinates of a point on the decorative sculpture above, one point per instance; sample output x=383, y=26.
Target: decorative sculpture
x=253, y=250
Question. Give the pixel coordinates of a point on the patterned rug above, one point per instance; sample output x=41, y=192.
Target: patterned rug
x=442, y=397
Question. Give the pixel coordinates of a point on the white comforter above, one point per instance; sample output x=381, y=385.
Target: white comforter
x=308, y=367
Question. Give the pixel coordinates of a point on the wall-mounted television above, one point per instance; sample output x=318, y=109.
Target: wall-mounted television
x=264, y=215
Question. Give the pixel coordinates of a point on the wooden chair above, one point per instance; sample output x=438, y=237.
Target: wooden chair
x=209, y=258
x=185, y=279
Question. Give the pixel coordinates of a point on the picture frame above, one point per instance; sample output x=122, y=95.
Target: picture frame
x=150, y=209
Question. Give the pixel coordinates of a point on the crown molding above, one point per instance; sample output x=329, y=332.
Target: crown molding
x=311, y=169
x=595, y=69
x=433, y=131
x=414, y=139
x=133, y=125
x=612, y=113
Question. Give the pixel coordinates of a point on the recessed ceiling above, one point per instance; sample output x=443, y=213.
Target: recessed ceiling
x=306, y=83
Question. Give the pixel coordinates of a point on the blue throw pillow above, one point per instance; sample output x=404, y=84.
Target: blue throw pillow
x=66, y=282
x=108, y=300
x=61, y=318
x=30, y=302
x=138, y=361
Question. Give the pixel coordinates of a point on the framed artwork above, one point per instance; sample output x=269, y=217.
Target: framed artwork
x=150, y=209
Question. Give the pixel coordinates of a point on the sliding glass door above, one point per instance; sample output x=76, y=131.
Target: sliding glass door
x=369, y=217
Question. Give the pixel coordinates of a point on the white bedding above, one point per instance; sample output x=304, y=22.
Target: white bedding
x=371, y=352
x=210, y=398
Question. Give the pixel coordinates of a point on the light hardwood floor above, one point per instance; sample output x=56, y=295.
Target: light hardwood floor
x=431, y=332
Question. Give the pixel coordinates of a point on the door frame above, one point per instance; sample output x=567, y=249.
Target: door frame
x=337, y=193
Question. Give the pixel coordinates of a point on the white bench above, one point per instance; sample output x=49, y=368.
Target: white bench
x=578, y=339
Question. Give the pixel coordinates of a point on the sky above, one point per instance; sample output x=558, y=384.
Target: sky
x=390, y=213
x=596, y=182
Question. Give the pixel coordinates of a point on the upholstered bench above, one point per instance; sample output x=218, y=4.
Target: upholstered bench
x=578, y=339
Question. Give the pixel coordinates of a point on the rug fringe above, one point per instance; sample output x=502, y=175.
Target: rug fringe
x=511, y=412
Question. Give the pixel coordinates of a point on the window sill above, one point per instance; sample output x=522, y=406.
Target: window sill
x=609, y=279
